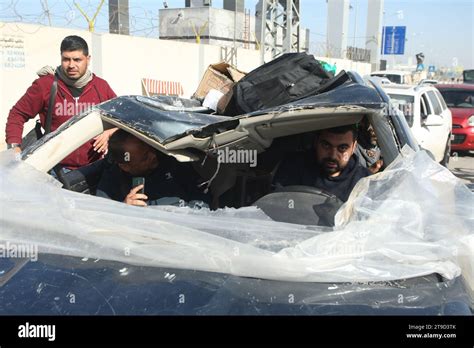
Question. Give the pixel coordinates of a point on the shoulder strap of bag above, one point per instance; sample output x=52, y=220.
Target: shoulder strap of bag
x=47, y=129
x=52, y=100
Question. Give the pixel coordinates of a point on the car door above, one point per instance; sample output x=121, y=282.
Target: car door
x=433, y=133
x=421, y=111
x=446, y=114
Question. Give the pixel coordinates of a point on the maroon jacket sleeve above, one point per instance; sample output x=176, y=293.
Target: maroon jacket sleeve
x=26, y=108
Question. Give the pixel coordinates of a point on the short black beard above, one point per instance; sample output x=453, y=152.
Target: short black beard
x=325, y=169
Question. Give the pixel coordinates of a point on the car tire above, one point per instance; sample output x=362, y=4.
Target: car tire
x=447, y=153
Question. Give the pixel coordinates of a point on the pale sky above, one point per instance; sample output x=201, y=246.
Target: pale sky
x=443, y=30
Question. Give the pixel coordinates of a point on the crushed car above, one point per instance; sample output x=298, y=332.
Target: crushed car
x=402, y=244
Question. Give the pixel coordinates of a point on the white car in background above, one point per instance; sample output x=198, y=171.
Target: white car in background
x=427, y=115
x=394, y=76
x=377, y=79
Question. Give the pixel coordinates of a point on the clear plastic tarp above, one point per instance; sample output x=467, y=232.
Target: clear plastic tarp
x=414, y=218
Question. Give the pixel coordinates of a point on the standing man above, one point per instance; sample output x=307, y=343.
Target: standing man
x=77, y=90
x=332, y=167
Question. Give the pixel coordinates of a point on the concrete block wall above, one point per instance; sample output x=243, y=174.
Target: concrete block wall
x=348, y=65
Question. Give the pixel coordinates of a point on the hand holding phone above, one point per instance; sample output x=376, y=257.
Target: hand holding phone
x=136, y=196
x=137, y=181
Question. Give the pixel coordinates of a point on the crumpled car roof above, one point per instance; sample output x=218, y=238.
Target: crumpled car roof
x=153, y=117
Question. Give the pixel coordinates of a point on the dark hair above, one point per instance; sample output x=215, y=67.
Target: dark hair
x=74, y=43
x=117, y=150
x=116, y=145
x=342, y=130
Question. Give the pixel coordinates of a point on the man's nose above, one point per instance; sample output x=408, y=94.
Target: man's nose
x=333, y=152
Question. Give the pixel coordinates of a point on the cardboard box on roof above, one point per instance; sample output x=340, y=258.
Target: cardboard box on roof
x=221, y=77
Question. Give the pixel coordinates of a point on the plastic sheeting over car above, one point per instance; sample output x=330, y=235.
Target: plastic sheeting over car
x=415, y=218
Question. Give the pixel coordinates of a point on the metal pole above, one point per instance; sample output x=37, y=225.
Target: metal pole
x=263, y=30
x=288, y=29
x=355, y=25
x=235, y=26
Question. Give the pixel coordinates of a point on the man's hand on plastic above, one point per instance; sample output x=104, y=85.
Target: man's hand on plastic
x=375, y=168
x=135, y=198
x=101, y=143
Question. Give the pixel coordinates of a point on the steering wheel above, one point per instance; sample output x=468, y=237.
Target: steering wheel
x=306, y=189
x=312, y=206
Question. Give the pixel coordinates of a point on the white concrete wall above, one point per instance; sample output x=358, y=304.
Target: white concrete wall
x=217, y=23
x=180, y=21
x=122, y=60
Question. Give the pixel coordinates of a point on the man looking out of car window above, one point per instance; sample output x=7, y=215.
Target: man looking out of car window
x=78, y=89
x=162, y=176
x=332, y=167
x=367, y=149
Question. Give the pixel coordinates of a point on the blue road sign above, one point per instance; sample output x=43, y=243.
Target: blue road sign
x=431, y=68
x=393, y=40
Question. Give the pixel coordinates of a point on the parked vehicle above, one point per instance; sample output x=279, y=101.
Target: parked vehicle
x=427, y=115
x=395, y=76
x=468, y=76
x=428, y=82
x=393, y=252
x=460, y=100
x=378, y=80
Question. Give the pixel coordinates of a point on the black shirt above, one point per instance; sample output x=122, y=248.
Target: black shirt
x=302, y=169
x=76, y=92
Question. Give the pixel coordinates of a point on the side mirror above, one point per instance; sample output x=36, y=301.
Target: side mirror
x=433, y=120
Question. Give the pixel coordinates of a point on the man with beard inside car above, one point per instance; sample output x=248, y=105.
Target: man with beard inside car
x=332, y=166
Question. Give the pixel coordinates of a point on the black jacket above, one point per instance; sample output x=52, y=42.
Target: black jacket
x=168, y=180
x=302, y=169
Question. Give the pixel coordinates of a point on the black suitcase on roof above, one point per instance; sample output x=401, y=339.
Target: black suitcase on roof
x=290, y=77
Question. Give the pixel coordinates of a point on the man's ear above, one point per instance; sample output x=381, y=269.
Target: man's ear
x=354, y=146
x=88, y=60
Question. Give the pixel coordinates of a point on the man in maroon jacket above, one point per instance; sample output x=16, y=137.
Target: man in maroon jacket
x=78, y=90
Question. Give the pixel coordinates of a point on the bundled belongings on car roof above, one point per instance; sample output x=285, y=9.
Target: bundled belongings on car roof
x=290, y=77
x=217, y=81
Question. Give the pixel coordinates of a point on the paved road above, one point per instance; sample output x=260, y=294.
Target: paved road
x=463, y=167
